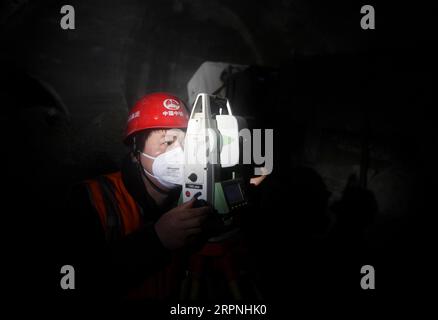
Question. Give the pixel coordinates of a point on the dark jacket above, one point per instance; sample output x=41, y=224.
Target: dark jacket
x=111, y=263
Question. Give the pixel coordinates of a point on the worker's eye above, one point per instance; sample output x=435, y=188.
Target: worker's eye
x=166, y=143
x=169, y=140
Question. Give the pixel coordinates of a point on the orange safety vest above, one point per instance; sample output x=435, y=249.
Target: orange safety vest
x=120, y=215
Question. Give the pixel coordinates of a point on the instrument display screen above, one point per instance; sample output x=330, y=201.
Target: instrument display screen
x=233, y=193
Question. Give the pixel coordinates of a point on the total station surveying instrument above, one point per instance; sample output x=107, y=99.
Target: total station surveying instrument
x=212, y=148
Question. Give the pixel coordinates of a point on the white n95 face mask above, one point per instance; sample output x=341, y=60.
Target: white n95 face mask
x=168, y=167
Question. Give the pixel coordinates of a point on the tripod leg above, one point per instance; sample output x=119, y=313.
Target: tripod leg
x=196, y=267
x=230, y=271
x=185, y=287
x=235, y=290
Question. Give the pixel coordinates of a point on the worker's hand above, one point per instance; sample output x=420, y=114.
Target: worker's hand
x=255, y=181
x=178, y=226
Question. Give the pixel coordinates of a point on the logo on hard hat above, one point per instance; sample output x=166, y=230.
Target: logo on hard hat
x=171, y=104
x=134, y=115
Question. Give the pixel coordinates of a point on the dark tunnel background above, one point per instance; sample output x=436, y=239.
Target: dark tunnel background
x=351, y=112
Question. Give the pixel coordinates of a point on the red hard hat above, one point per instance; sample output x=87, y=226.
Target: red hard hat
x=156, y=110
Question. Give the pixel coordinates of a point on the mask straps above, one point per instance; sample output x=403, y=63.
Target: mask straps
x=145, y=173
x=148, y=173
x=144, y=169
x=148, y=156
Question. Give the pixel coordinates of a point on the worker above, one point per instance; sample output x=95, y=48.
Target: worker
x=129, y=233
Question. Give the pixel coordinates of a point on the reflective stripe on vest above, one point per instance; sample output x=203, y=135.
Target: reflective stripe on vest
x=119, y=213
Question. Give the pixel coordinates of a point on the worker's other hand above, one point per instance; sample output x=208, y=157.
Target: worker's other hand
x=256, y=181
x=180, y=225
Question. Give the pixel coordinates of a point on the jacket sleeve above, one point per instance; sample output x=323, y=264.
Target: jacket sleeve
x=110, y=268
